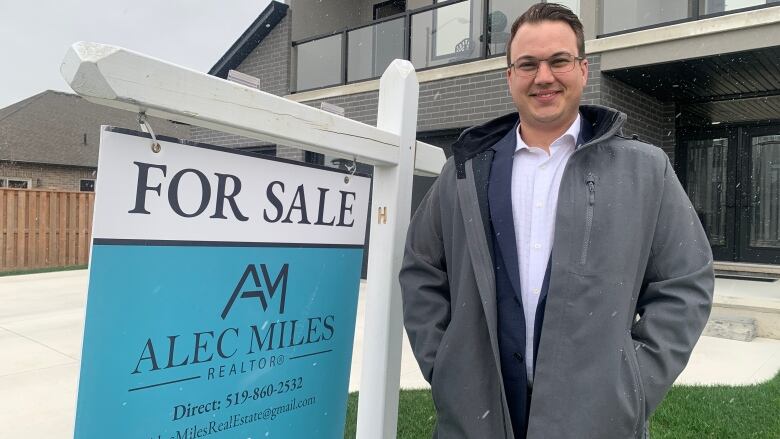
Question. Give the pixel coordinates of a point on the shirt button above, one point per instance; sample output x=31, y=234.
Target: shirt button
x=536, y=291
x=539, y=204
x=537, y=246
x=543, y=167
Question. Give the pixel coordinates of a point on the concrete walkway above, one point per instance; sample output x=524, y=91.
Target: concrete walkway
x=42, y=320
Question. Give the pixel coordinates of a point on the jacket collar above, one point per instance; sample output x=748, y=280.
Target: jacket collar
x=602, y=122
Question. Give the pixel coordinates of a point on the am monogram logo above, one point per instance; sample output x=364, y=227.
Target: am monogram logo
x=255, y=288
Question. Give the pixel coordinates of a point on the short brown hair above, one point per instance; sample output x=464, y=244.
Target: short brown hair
x=548, y=12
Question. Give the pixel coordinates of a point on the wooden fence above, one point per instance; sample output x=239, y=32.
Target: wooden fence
x=42, y=228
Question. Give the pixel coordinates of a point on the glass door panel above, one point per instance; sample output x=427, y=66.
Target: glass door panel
x=708, y=186
x=761, y=200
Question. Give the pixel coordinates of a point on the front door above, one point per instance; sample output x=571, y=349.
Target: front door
x=732, y=176
x=759, y=219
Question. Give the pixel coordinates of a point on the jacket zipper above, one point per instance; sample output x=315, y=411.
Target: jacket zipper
x=590, y=182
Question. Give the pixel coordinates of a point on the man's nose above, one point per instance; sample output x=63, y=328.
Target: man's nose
x=544, y=74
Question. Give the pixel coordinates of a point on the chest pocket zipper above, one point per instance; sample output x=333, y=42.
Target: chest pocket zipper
x=590, y=183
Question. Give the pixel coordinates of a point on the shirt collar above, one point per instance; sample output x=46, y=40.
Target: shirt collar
x=570, y=136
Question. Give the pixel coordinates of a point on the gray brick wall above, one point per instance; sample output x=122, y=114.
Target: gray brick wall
x=219, y=138
x=449, y=103
x=468, y=100
x=270, y=63
x=212, y=137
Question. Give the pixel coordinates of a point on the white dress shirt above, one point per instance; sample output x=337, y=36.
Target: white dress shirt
x=536, y=178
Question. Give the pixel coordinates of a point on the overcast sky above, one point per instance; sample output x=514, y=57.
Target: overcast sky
x=35, y=34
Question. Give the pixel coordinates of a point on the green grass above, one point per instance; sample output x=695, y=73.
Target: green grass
x=719, y=412
x=415, y=414
x=42, y=270
x=687, y=412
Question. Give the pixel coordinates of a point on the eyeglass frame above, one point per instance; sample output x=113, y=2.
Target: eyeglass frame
x=539, y=62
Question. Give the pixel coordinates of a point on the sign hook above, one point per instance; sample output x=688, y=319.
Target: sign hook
x=351, y=167
x=147, y=127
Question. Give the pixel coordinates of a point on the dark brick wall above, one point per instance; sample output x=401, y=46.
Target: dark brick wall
x=644, y=112
x=650, y=118
x=669, y=131
x=592, y=93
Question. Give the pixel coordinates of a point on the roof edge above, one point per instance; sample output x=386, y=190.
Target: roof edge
x=250, y=39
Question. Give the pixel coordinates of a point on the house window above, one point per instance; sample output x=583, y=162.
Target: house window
x=389, y=8
x=266, y=150
x=15, y=183
x=87, y=185
x=314, y=158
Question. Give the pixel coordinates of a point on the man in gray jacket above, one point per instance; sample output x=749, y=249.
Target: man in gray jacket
x=556, y=277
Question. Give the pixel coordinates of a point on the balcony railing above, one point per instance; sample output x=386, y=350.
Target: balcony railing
x=453, y=31
x=622, y=16
x=445, y=33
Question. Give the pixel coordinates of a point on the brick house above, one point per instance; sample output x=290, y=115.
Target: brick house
x=698, y=78
x=50, y=140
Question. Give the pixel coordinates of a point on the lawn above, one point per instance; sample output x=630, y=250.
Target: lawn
x=687, y=412
x=42, y=270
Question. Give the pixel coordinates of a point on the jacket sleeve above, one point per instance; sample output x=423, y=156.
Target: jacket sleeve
x=424, y=282
x=677, y=292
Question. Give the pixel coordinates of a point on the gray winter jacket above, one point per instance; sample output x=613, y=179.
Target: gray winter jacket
x=630, y=290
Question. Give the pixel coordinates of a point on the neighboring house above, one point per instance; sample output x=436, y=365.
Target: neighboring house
x=50, y=140
x=699, y=78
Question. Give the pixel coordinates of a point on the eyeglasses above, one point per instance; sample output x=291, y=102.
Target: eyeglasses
x=561, y=63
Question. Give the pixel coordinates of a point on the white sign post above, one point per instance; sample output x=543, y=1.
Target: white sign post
x=392, y=197
x=123, y=79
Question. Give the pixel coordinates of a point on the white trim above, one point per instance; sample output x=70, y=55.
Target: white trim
x=4, y=182
x=707, y=26
x=446, y=72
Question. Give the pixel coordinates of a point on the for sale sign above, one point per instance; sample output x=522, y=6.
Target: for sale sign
x=222, y=294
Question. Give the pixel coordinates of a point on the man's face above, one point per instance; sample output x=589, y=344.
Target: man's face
x=547, y=100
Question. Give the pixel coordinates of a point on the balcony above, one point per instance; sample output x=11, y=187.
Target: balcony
x=444, y=33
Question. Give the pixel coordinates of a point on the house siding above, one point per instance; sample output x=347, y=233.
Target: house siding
x=42, y=176
x=53, y=138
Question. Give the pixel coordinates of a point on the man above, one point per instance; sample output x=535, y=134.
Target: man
x=556, y=276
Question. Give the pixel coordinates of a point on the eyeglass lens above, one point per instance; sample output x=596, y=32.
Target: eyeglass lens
x=558, y=64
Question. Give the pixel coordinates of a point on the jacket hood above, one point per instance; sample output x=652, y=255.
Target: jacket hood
x=605, y=122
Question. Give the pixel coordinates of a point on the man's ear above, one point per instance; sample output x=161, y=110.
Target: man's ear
x=584, y=71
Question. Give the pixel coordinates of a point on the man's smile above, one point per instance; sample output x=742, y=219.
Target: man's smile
x=545, y=95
